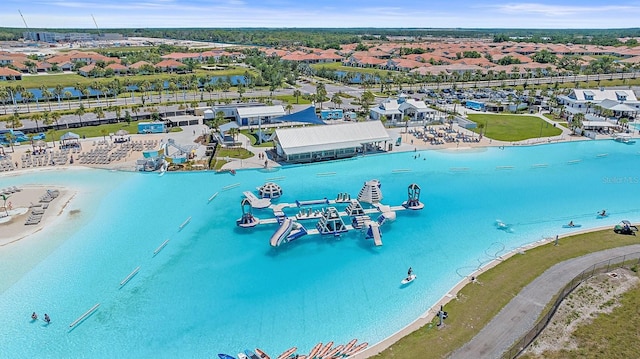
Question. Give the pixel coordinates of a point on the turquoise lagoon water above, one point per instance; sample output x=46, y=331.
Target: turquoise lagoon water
x=217, y=288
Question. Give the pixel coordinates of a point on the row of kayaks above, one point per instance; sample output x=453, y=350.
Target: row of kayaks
x=320, y=351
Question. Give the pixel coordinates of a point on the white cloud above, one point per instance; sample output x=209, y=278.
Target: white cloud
x=560, y=10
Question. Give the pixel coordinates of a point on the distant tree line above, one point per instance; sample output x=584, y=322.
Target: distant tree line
x=333, y=38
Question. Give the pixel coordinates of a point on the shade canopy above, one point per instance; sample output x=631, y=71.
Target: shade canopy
x=122, y=132
x=69, y=136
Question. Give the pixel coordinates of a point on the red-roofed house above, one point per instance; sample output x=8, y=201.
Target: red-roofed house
x=7, y=74
x=182, y=56
x=86, y=70
x=142, y=67
x=118, y=68
x=364, y=61
x=170, y=66
x=399, y=64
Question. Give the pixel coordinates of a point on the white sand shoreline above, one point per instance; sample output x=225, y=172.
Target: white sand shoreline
x=26, y=199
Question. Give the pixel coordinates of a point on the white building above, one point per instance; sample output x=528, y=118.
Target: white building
x=330, y=142
x=388, y=110
x=248, y=116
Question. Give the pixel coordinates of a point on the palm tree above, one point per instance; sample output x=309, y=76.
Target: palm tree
x=576, y=122
x=336, y=99
x=67, y=95
x=58, y=91
x=80, y=112
x=36, y=117
x=321, y=94
x=48, y=94
x=297, y=94
x=118, y=112
x=99, y=113
x=55, y=116
x=26, y=98
x=288, y=107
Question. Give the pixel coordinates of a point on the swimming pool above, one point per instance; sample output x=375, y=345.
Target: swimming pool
x=217, y=288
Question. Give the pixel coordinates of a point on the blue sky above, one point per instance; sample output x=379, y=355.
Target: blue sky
x=322, y=13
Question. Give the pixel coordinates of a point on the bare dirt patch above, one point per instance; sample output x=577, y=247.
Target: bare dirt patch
x=599, y=294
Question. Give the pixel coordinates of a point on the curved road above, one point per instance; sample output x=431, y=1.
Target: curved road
x=520, y=315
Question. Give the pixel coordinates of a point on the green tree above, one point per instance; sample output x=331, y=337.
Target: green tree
x=321, y=94
x=37, y=117
x=80, y=111
x=296, y=94
x=336, y=99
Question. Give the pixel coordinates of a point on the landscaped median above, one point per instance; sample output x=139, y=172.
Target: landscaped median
x=477, y=303
x=513, y=127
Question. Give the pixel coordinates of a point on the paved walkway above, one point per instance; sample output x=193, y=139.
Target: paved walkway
x=520, y=315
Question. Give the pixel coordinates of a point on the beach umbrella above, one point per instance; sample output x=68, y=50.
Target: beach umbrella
x=40, y=143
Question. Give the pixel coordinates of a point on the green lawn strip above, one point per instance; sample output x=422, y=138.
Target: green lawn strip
x=253, y=137
x=478, y=303
x=95, y=131
x=292, y=99
x=337, y=66
x=233, y=152
x=513, y=127
x=610, y=335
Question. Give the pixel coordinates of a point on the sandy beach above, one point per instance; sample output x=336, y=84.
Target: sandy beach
x=23, y=203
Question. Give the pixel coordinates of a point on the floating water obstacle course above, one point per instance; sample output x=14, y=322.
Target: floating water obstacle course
x=330, y=219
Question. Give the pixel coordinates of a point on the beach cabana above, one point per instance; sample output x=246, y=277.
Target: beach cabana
x=70, y=139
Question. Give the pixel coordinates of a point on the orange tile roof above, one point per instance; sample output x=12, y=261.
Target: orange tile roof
x=139, y=64
x=5, y=71
x=169, y=63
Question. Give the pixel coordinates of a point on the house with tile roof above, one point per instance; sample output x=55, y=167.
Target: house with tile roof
x=364, y=61
x=7, y=74
x=170, y=65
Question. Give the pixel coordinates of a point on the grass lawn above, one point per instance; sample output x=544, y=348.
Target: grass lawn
x=478, y=304
x=557, y=120
x=513, y=127
x=254, y=139
x=292, y=99
x=337, y=66
x=95, y=131
x=234, y=152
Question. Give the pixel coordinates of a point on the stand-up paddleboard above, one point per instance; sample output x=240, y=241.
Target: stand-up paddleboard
x=262, y=354
x=225, y=356
x=572, y=226
x=409, y=279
